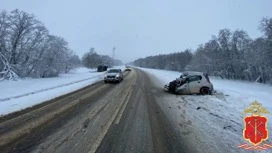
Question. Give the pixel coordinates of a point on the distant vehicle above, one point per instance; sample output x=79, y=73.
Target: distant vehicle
x=191, y=83
x=102, y=68
x=113, y=75
x=128, y=69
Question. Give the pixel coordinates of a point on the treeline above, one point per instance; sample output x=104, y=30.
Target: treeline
x=28, y=50
x=174, y=61
x=230, y=54
x=92, y=59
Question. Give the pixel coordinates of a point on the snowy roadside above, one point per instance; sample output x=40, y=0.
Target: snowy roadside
x=213, y=122
x=18, y=95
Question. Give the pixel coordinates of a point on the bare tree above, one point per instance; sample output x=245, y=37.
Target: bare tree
x=230, y=54
x=7, y=71
x=27, y=48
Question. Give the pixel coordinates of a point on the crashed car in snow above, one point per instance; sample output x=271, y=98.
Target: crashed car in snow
x=191, y=83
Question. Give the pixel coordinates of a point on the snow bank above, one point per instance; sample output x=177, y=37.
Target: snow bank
x=242, y=91
x=213, y=122
x=17, y=95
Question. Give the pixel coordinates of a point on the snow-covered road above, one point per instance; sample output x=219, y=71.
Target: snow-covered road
x=213, y=121
x=21, y=94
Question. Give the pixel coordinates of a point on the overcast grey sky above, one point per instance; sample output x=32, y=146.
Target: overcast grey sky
x=142, y=27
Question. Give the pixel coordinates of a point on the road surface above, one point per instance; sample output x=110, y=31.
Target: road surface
x=101, y=118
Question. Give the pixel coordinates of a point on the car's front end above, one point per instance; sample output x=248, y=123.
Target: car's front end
x=113, y=75
x=128, y=69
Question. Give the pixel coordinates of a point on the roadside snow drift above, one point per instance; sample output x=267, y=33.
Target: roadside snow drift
x=213, y=122
x=17, y=95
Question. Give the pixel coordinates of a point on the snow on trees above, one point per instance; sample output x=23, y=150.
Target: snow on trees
x=234, y=55
x=92, y=59
x=230, y=54
x=175, y=61
x=7, y=71
x=27, y=49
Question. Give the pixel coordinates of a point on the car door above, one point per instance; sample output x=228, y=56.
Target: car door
x=121, y=74
x=194, y=83
x=183, y=88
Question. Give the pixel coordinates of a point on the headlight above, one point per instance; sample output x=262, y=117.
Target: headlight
x=105, y=75
x=117, y=76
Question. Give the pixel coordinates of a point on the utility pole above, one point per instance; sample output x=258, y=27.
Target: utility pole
x=113, y=53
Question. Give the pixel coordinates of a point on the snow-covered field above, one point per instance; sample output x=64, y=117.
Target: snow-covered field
x=17, y=95
x=214, y=122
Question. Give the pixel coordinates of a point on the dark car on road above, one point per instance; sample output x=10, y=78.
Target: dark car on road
x=128, y=69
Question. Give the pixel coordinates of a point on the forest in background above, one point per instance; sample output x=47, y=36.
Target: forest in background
x=230, y=55
x=92, y=59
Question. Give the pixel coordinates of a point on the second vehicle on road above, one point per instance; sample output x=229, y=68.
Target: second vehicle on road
x=113, y=75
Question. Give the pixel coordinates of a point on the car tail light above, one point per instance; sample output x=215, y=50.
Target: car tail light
x=207, y=77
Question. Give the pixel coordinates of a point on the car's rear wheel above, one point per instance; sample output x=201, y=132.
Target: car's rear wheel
x=205, y=91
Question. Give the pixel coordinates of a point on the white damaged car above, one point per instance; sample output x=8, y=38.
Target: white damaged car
x=191, y=82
